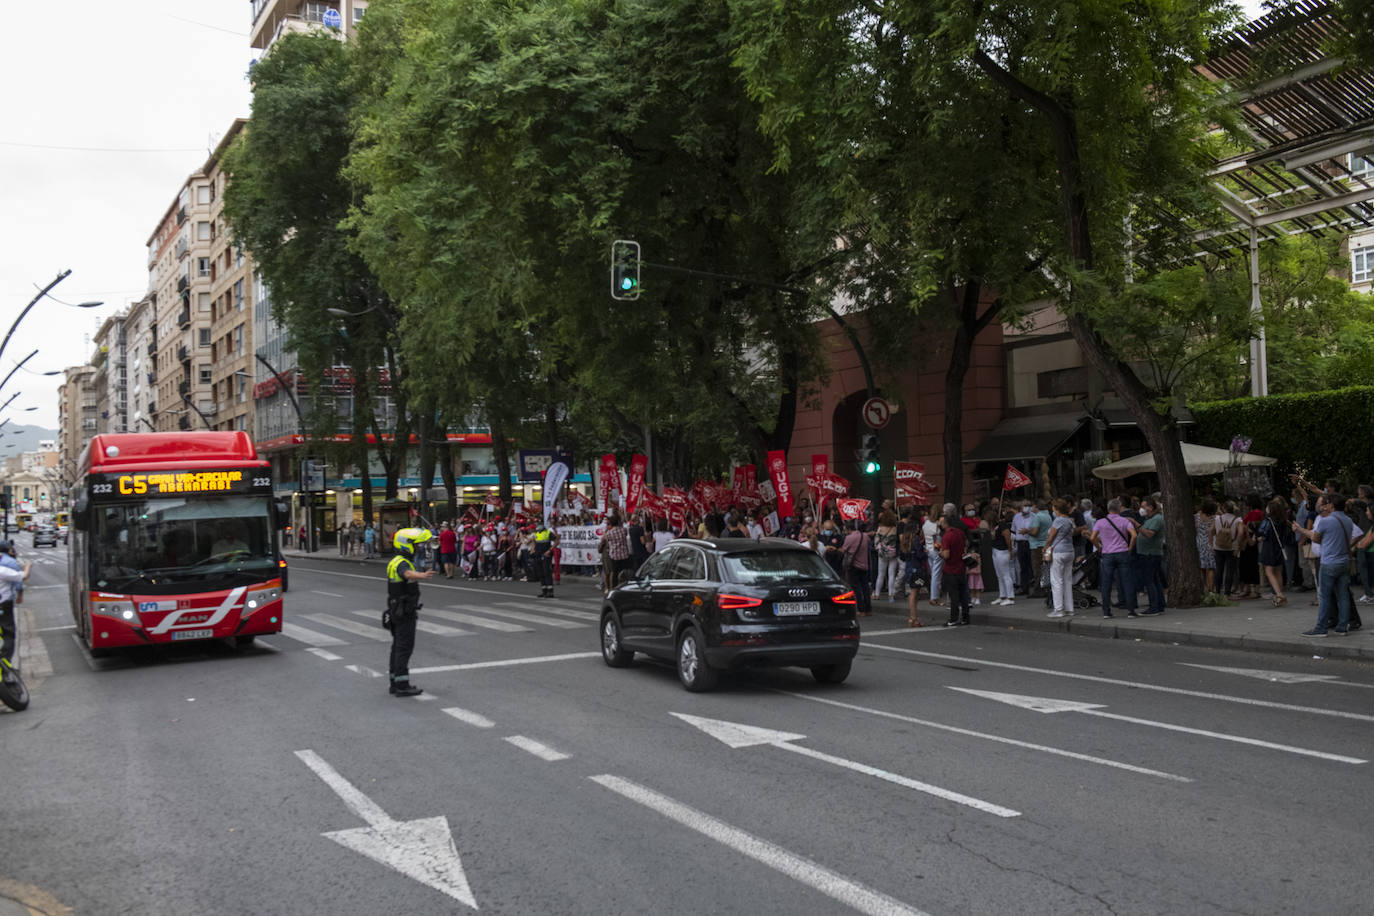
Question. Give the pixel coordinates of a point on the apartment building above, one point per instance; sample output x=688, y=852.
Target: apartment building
x=77, y=414
x=140, y=333
x=275, y=18
x=231, y=300
x=179, y=268
x=111, y=379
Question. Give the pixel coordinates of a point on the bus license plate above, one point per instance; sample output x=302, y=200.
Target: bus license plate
x=192, y=634
x=796, y=608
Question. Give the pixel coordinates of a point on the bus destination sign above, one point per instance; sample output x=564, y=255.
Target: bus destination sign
x=180, y=483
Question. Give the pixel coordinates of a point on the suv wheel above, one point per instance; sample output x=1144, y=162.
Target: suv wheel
x=831, y=674
x=692, y=669
x=613, y=652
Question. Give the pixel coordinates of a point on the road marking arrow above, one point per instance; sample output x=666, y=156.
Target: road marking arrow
x=1046, y=705
x=421, y=849
x=1282, y=677
x=735, y=735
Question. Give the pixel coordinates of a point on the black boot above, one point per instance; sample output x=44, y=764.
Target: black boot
x=405, y=689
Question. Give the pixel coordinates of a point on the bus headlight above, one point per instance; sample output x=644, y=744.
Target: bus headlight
x=257, y=598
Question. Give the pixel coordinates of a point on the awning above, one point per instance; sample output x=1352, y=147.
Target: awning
x=1200, y=460
x=1017, y=438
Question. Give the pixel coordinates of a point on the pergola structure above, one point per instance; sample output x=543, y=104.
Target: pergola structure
x=1308, y=116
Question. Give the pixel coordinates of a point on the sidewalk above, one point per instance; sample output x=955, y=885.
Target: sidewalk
x=1254, y=625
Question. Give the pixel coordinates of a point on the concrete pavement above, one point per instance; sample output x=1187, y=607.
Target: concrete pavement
x=1254, y=625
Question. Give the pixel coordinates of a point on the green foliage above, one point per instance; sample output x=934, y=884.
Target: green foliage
x=504, y=144
x=1319, y=434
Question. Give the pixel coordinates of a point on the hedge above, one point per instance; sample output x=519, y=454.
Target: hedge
x=1324, y=434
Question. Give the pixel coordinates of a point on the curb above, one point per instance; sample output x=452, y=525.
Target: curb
x=1148, y=631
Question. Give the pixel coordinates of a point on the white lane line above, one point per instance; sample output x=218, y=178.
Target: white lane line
x=29, y=588
x=550, y=609
x=473, y=620
x=470, y=717
x=309, y=637
x=324, y=654
x=435, y=629
x=65, y=626
x=33, y=652
x=315, y=591
x=376, y=634
x=434, y=669
x=999, y=739
x=519, y=615
x=1139, y=685
x=363, y=669
x=538, y=749
x=426, y=698
x=1238, y=739
x=813, y=875
x=364, y=807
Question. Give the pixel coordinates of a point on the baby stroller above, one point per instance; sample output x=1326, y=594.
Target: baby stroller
x=1085, y=582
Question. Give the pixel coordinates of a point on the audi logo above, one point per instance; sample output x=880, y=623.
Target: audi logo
x=796, y=593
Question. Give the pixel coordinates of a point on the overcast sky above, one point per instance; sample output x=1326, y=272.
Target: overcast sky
x=109, y=107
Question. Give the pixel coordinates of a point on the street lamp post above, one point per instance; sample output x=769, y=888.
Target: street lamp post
x=421, y=423
x=311, y=543
x=34, y=301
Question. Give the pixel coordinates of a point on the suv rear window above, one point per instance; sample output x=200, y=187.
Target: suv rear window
x=769, y=566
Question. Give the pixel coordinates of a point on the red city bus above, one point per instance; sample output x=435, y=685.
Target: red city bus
x=172, y=539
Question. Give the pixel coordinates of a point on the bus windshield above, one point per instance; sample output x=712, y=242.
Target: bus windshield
x=218, y=541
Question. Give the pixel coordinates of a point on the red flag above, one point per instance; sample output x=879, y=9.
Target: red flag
x=782, y=485
x=820, y=465
x=852, y=508
x=634, y=486
x=750, y=479
x=910, y=482
x=610, y=482
x=1014, y=479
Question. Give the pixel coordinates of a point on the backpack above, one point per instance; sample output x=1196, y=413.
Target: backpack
x=1225, y=532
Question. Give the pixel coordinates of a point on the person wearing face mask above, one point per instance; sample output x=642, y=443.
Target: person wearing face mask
x=1020, y=537
x=832, y=539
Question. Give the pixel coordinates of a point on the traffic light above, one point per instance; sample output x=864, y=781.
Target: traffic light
x=868, y=453
x=624, y=269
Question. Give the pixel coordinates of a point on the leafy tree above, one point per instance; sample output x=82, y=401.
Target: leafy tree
x=506, y=144
x=1317, y=331
x=284, y=201
x=1102, y=113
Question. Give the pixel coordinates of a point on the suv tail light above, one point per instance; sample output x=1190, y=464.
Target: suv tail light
x=846, y=598
x=736, y=602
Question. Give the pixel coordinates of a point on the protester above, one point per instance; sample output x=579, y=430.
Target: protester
x=1149, y=550
x=855, y=553
x=1058, y=552
x=1226, y=548
x=1114, y=536
x=1002, y=555
x=889, y=565
x=1275, y=540
x=1202, y=526
x=1332, y=532
x=953, y=545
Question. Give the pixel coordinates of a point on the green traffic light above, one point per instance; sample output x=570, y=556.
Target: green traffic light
x=871, y=467
x=627, y=283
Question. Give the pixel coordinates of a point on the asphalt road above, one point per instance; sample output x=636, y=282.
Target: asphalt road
x=532, y=779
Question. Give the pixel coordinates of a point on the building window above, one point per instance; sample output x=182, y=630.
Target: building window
x=202, y=267
x=204, y=337
x=1362, y=265
x=314, y=12
x=205, y=375
x=238, y=294
x=203, y=194
x=243, y=387
x=238, y=340
x=203, y=301
x=1362, y=166
x=358, y=14
x=203, y=232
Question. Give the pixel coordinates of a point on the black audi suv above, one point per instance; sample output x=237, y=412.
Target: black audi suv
x=732, y=603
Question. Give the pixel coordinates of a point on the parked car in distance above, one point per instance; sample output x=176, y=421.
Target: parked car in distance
x=732, y=603
x=44, y=534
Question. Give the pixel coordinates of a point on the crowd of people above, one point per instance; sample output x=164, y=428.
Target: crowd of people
x=1070, y=553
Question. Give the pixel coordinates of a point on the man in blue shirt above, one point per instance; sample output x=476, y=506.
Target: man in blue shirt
x=1037, y=533
x=1333, y=533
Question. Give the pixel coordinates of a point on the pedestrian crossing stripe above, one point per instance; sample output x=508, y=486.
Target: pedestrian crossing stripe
x=518, y=615
x=309, y=637
x=473, y=620
x=552, y=609
x=376, y=634
x=424, y=626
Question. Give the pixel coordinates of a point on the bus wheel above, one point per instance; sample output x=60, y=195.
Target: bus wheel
x=244, y=642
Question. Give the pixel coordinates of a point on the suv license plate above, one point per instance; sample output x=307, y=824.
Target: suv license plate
x=192, y=634
x=796, y=608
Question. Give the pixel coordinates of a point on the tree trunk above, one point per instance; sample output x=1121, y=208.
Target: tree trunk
x=500, y=452
x=446, y=473
x=1185, y=573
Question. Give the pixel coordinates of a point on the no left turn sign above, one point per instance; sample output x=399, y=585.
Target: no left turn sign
x=876, y=413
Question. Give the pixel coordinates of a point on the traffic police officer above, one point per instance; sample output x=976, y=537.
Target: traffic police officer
x=403, y=606
x=545, y=540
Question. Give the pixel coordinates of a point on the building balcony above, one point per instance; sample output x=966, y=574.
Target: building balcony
x=184, y=387
x=181, y=215
x=183, y=422
x=152, y=348
x=184, y=319
x=183, y=354
x=183, y=283
x=183, y=246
